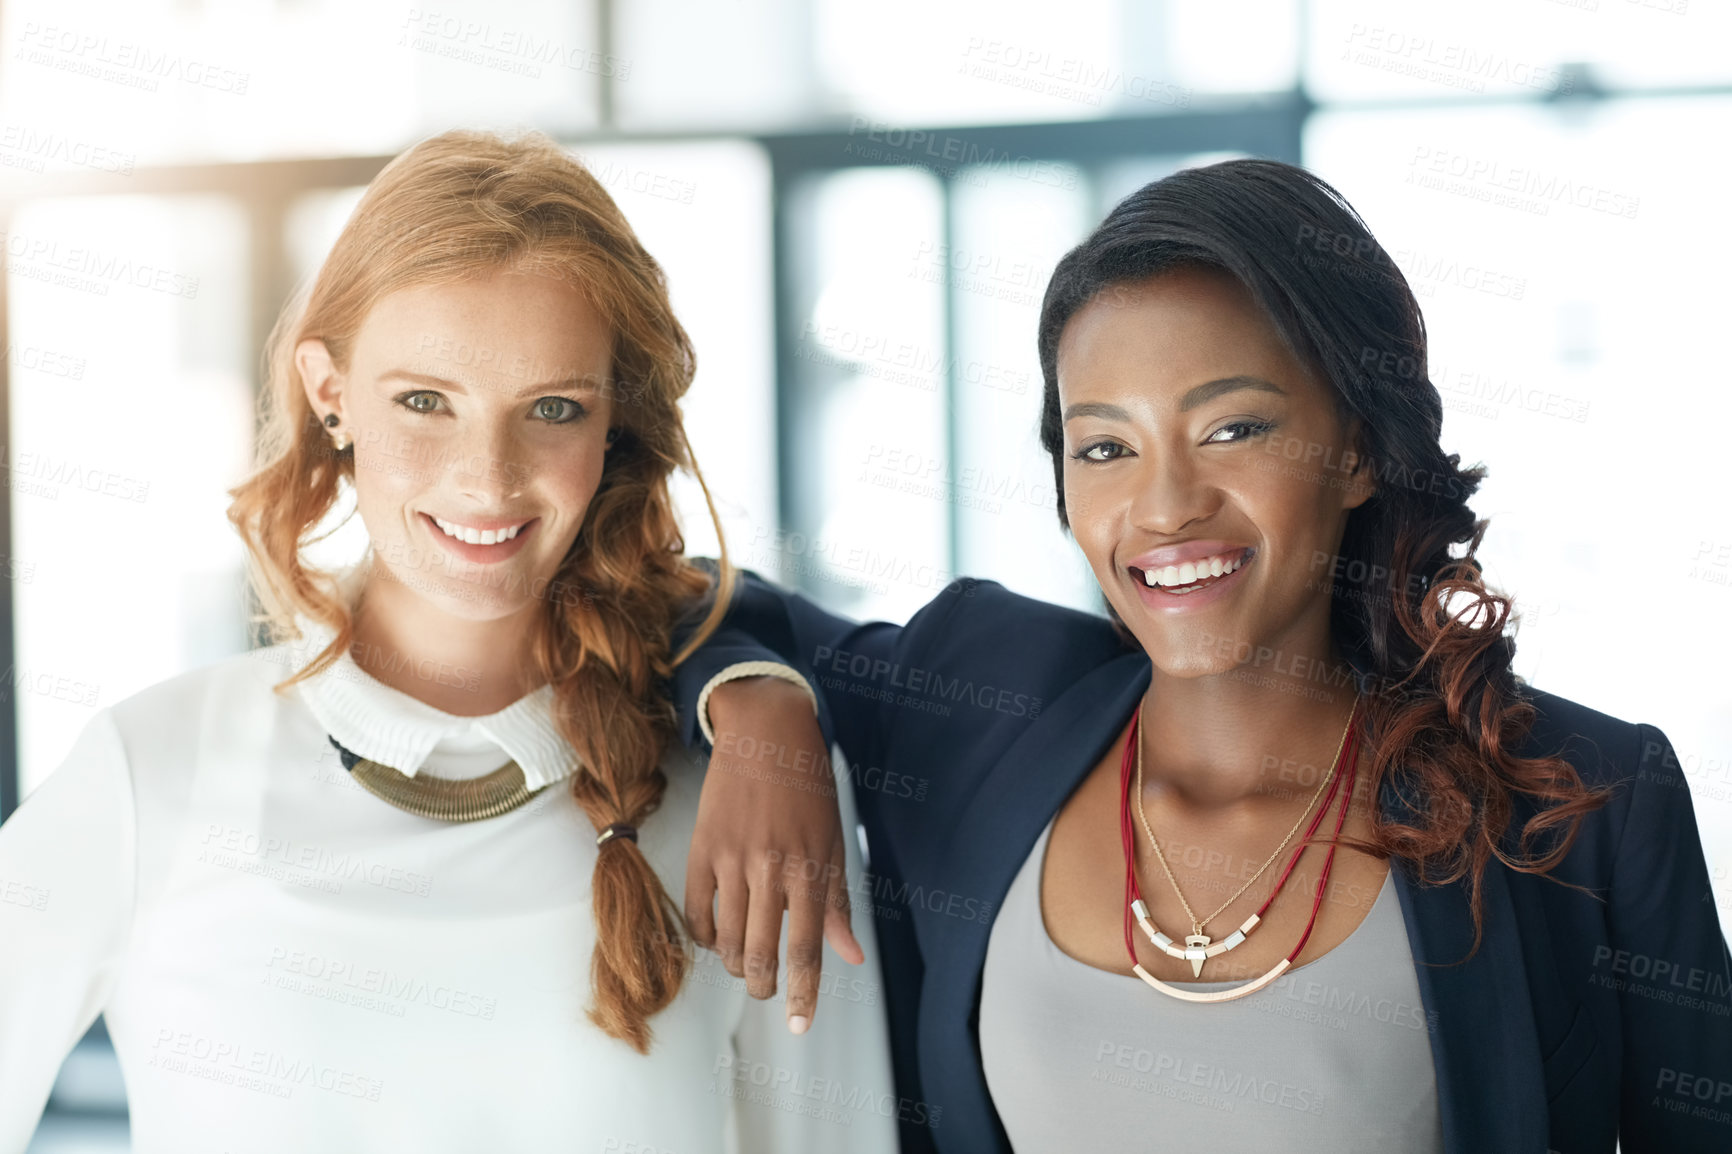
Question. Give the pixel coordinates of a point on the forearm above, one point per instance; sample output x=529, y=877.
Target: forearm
x=768, y=623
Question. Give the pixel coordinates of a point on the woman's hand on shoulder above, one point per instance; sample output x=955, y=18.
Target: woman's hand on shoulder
x=769, y=837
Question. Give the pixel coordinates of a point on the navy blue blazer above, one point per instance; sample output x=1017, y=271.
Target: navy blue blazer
x=1580, y=1022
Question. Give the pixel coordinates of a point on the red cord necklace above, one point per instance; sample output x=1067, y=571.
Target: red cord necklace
x=1135, y=910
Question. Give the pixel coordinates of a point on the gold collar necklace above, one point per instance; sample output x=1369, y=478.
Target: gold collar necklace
x=443, y=799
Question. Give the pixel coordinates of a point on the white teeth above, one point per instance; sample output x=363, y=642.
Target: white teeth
x=478, y=536
x=1192, y=571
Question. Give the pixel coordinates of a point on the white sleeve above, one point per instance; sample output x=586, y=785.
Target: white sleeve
x=831, y=1088
x=66, y=900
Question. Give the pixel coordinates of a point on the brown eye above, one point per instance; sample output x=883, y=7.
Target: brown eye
x=1243, y=430
x=1088, y=452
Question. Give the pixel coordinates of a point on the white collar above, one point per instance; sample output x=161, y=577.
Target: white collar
x=388, y=726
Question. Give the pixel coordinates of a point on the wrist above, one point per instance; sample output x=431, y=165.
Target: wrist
x=764, y=697
x=745, y=695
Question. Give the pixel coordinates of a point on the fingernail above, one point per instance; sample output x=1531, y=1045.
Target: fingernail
x=799, y=1024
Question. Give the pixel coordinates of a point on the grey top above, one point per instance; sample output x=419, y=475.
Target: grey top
x=1333, y=1056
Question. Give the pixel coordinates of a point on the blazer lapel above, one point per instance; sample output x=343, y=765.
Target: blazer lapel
x=1484, y=1046
x=993, y=837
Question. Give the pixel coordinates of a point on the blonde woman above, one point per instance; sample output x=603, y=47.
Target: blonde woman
x=408, y=879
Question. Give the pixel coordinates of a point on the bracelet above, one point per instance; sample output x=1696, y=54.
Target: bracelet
x=747, y=669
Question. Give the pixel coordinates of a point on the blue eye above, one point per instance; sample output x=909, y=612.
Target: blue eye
x=406, y=400
x=1245, y=429
x=573, y=410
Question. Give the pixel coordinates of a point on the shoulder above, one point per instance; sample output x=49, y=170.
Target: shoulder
x=981, y=627
x=1604, y=749
x=170, y=714
x=147, y=744
x=1648, y=794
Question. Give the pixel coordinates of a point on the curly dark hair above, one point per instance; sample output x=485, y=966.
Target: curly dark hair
x=1445, y=714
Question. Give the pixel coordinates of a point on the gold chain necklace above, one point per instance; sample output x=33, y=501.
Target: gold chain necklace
x=1199, y=947
x=444, y=799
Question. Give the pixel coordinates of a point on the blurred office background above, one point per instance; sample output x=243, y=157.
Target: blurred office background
x=858, y=205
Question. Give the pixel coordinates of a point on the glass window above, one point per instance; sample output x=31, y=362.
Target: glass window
x=1363, y=49
x=868, y=436
x=1571, y=273
x=1009, y=232
x=132, y=411
x=908, y=62
x=702, y=209
x=156, y=81
x=1219, y=47
x=744, y=64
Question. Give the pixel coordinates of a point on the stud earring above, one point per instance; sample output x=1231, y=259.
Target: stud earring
x=339, y=441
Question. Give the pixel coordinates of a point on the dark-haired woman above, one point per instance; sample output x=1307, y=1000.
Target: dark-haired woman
x=1285, y=856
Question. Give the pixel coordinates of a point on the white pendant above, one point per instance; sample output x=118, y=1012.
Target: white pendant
x=1213, y=995
x=1196, y=947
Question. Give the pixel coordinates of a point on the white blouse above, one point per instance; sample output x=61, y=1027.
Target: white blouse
x=288, y=963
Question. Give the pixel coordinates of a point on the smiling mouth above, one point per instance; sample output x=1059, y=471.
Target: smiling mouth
x=1192, y=576
x=477, y=536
